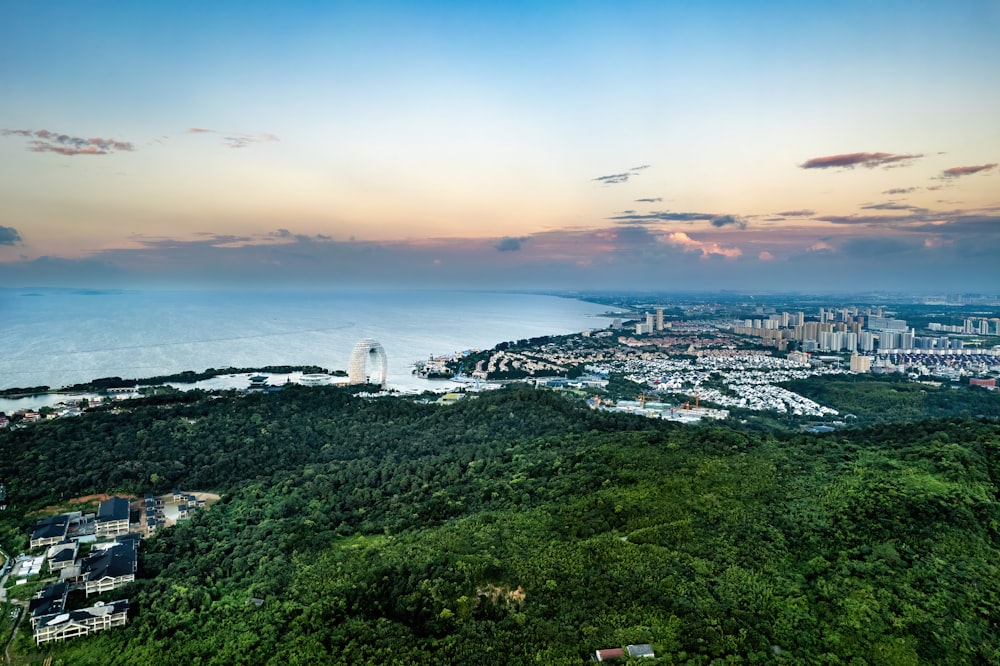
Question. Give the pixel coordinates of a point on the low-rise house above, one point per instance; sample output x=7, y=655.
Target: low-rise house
x=51, y=530
x=609, y=654
x=108, y=568
x=641, y=650
x=112, y=517
x=64, y=625
x=614, y=654
x=62, y=555
x=50, y=600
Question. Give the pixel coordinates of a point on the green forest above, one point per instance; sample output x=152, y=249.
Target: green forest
x=520, y=527
x=872, y=399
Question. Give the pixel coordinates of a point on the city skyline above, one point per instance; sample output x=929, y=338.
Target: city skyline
x=501, y=145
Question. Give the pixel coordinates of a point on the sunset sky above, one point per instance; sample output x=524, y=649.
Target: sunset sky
x=651, y=146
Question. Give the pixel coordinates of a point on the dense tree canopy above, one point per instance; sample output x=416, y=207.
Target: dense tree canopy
x=520, y=527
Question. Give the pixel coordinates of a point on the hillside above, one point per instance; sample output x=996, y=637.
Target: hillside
x=520, y=527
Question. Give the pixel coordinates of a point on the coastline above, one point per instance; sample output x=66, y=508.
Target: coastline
x=65, y=339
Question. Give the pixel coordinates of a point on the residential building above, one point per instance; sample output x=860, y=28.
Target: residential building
x=861, y=363
x=64, y=625
x=62, y=554
x=51, y=599
x=108, y=568
x=51, y=530
x=112, y=517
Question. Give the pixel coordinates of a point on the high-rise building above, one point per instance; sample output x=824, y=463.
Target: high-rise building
x=886, y=324
x=890, y=340
x=357, y=369
x=861, y=363
x=659, y=319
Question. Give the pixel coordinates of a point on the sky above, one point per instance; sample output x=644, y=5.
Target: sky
x=652, y=146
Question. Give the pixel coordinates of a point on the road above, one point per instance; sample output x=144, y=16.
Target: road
x=13, y=635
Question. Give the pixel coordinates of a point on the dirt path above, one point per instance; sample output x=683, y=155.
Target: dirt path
x=13, y=635
x=84, y=499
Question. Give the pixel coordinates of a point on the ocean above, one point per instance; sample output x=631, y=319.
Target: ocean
x=61, y=337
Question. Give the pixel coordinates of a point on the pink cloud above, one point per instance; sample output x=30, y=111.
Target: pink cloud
x=851, y=160
x=955, y=172
x=688, y=244
x=45, y=141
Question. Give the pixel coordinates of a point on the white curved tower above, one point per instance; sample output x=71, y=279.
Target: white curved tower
x=365, y=352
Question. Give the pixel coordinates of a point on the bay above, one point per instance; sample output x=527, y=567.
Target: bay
x=59, y=337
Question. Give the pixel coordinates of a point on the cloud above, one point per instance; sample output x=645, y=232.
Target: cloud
x=236, y=139
x=615, y=178
x=9, y=236
x=952, y=250
x=46, y=141
x=707, y=249
x=656, y=217
x=729, y=220
x=892, y=205
x=661, y=216
x=820, y=246
x=633, y=236
x=867, y=219
x=851, y=160
x=510, y=244
x=805, y=212
x=965, y=224
x=650, y=200
x=901, y=190
x=874, y=246
x=956, y=172
x=244, y=140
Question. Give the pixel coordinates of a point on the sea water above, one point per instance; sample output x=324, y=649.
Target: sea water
x=63, y=337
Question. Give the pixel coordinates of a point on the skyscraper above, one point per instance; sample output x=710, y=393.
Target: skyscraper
x=357, y=370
